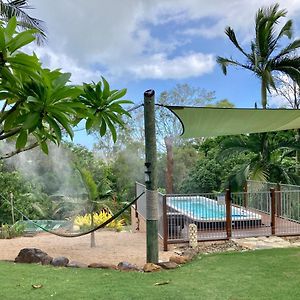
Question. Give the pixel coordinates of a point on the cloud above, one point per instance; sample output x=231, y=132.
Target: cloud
x=160, y=67
x=121, y=38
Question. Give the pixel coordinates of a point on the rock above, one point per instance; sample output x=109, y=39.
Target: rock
x=102, y=266
x=33, y=255
x=150, y=267
x=60, y=261
x=126, y=266
x=168, y=265
x=76, y=264
x=231, y=249
x=178, y=259
x=190, y=253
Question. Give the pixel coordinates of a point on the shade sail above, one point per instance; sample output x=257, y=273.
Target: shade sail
x=207, y=121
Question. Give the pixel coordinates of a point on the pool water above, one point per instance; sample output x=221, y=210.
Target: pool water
x=205, y=208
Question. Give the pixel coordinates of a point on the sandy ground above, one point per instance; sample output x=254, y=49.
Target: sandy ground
x=111, y=247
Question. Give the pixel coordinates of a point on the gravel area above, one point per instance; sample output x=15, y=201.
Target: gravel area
x=111, y=247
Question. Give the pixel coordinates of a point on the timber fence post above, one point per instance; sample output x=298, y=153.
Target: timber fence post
x=228, y=214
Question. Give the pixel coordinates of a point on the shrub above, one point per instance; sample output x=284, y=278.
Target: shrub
x=84, y=222
x=9, y=232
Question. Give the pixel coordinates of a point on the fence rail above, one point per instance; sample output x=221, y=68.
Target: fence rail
x=223, y=216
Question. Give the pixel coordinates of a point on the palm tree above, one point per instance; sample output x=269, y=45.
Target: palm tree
x=270, y=160
x=264, y=58
x=9, y=9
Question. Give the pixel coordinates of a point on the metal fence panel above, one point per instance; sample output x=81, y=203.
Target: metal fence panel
x=207, y=211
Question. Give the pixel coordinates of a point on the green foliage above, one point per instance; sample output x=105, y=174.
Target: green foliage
x=104, y=107
x=204, y=177
x=39, y=105
x=268, y=157
x=11, y=231
x=13, y=182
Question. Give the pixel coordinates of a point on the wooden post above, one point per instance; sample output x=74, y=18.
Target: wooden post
x=165, y=223
x=151, y=177
x=273, y=210
x=245, y=195
x=228, y=214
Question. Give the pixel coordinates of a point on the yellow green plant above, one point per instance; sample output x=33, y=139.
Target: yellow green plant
x=85, y=221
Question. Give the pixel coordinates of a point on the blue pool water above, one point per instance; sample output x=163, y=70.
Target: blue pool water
x=205, y=208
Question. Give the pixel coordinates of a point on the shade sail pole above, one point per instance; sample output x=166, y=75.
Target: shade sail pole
x=151, y=177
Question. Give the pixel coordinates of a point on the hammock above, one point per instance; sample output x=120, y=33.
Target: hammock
x=81, y=233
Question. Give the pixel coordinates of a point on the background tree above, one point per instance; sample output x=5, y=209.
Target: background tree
x=273, y=163
x=266, y=56
x=169, y=127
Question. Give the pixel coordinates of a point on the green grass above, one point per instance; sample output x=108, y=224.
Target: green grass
x=263, y=274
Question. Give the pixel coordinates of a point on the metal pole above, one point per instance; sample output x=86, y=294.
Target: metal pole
x=12, y=207
x=151, y=177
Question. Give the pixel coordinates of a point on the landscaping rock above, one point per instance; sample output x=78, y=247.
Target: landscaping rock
x=126, y=266
x=178, y=259
x=150, y=267
x=33, y=255
x=60, y=261
x=103, y=266
x=76, y=264
x=190, y=253
x=168, y=265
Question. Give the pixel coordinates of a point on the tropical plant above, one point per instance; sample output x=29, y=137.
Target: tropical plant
x=17, y=8
x=37, y=104
x=265, y=56
x=90, y=220
x=270, y=160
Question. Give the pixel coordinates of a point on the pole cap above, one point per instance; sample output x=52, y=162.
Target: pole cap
x=149, y=93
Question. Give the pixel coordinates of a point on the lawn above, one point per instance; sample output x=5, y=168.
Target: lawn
x=262, y=274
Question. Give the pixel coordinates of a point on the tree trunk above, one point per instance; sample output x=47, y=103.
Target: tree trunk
x=170, y=165
x=263, y=94
x=93, y=242
x=298, y=153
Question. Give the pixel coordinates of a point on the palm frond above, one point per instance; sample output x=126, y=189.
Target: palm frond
x=225, y=62
x=231, y=34
x=291, y=48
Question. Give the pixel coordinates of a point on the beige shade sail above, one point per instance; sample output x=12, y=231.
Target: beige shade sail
x=207, y=121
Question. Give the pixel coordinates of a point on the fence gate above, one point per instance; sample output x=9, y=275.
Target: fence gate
x=251, y=214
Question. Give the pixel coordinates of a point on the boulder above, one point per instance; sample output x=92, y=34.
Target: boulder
x=179, y=259
x=76, y=264
x=150, y=267
x=126, y=266
x=168, y=265
x=33, y=255
x=102, y=266
x=60, y=261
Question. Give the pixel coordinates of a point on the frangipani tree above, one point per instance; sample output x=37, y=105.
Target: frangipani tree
x=38, y=105
x=266, y=56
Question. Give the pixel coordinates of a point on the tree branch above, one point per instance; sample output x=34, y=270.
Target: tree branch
x=10, y=154
x=10, y=133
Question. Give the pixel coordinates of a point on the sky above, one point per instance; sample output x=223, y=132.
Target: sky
x=153, y=44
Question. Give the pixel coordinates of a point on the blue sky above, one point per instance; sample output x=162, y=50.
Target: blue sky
x=143, y=44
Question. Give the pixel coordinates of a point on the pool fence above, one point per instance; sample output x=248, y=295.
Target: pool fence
x=262, y=209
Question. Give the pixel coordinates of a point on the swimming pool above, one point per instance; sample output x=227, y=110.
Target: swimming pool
x=201, y=209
